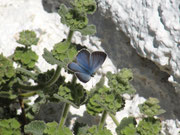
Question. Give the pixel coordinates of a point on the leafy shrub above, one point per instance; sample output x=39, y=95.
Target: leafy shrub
x=10, y=127
x=64, y=52
x=7, y=70
x=151, y=107
x=127, y=126
x=120, y=82
x=104, y=99
x=25, y=57
x=149, y=126
x=28, y=38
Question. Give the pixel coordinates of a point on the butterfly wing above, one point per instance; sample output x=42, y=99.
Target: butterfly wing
x=83, y=77
x=75, y=67
x=96, y=60
x=82, y=59
x=80, y=73
x=87, y=64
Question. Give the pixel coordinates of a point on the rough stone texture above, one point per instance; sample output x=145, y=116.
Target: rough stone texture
x=149, y=80
x=153, y=29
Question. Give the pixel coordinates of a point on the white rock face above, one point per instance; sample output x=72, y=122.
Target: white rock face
x=16, y=16
x=171, y=127
x=153, y=27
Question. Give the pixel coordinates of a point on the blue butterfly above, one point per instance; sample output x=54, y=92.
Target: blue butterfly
x=87, y=64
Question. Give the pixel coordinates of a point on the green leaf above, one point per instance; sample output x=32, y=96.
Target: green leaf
x=52, y=129
x=129, y=130
x=151, y=108
x=27, y=73
x=61, y=47
x=63, y=10
x=127, y=126
x=72, y=52
x=9, y=127
x=88, y=30
x=25, y=57
x=73, y=18
x=64, y=52
x=35, y=127
x=50, y=59
x=104, y=99
x=94, y=131
x=80, y=128
x=7, y=71
x=15, y=124
x=119, y=82
x=28, y=38
x=10, y=72
x=7, y=94
x=71, y=93
x=149, y=126
x=87, y=6
x=65, y=100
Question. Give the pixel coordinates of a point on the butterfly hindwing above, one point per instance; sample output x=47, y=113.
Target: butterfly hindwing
x=96, y=60
x=83, y=77
x=75, y=67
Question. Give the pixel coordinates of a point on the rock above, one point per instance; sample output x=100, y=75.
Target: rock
x=150, y=29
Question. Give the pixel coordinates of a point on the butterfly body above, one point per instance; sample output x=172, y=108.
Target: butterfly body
x=87, y=64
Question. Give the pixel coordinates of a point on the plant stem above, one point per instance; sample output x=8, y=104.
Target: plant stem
x=74, y=79
x=40, y=86
x=23, y=113
x=114, y=119
x=64, y=115
x=103, y=119
x=29, y=94
x=70, y=34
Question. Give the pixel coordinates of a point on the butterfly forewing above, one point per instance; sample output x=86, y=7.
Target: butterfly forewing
x=83, y=77
x=96, y=60
x=83, y=59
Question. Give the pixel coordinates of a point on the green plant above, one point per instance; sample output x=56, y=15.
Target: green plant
x=7, y=71
x=104, y=99
x=28, y=38
x=25, y=57
x=148, y=125
x=151, y=107
x=10, y=127
x=127, y=126
x=120, y=82
x=50, y=86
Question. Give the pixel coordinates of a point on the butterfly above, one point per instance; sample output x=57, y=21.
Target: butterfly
x=87, y=64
